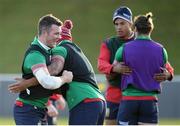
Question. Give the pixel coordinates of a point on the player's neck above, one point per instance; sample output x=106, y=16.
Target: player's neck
x=42, y=39
x=129, y=36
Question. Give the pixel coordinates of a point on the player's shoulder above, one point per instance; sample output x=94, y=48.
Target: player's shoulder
x=158, y=43
x=34, y=54
x=59, y=49
x=35, y=48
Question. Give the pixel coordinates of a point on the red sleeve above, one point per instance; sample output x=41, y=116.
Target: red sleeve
x=170, y=70
x=55, y=96
x=104, y=65
x=49, y=102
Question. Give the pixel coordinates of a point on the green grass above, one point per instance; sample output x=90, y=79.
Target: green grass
x=92, y=24
x=63, y=121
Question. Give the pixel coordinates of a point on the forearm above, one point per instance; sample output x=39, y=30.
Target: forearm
x=30, y=82
x=54, y=69
x=33, y=81
x=104, y=66
x=22, y=84
x=56, y=65
x=46, y=80
x=115, y=67
x=170, y=70
x=121, y=68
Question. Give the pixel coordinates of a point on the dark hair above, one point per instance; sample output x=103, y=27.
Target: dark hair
x=144, y=23
x=46, y=22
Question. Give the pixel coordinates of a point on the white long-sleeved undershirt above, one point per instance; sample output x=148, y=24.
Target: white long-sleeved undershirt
x=46, y=80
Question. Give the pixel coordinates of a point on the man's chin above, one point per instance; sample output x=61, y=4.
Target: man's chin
x=121, y=36
x=52, y=46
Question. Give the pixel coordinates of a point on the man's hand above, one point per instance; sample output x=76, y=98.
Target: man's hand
x=160, y=77
x=120, y=67
x=22, y=84
x=17, y=86
x=111, y=76
x=67, y=76
x=52, y=111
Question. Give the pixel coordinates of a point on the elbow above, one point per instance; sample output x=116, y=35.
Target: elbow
x=47, y=81
x=170, y=77
x=45, y=85
x=105, y=69
x=55, y=71
x=100, y=67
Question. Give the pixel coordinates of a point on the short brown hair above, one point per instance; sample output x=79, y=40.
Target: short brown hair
x=47, y=21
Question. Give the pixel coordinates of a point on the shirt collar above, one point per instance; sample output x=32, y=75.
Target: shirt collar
x=143, y=37
x=43, y=45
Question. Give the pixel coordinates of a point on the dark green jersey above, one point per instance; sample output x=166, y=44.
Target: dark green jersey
x=35, y=55
x=113, y=44
x=84, y=83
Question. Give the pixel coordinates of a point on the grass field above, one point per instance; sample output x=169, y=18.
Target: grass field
x=63, y=121
x=92, y=24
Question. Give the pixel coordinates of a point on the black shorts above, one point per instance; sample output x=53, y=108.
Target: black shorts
x=133, y=111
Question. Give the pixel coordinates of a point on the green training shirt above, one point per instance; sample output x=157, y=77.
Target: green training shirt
x=33, y=58
x=78, y=91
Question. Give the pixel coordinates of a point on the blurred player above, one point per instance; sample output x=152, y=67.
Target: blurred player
x=56, y=102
